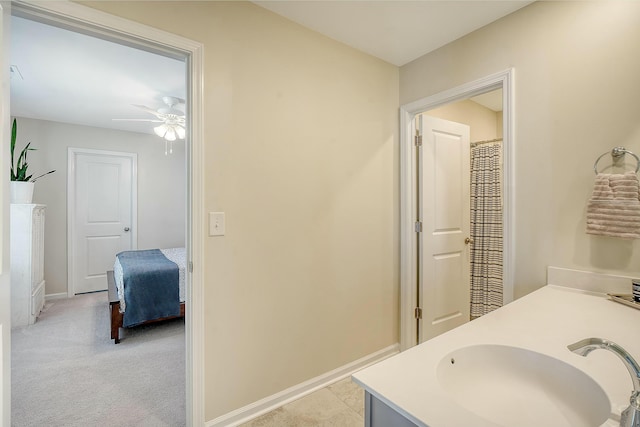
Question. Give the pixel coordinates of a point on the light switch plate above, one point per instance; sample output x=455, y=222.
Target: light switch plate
x=216, y=224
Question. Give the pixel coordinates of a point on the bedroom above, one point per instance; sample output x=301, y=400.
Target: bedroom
x=62, y=140
x=44, y=104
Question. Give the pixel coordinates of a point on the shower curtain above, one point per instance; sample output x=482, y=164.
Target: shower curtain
x=486, y=229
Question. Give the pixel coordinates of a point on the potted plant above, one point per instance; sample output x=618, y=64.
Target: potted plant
x=21, y=182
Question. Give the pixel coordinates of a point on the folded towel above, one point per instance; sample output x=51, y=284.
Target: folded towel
x=614, y=207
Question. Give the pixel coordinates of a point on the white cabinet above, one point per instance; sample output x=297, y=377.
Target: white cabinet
x=27, y=263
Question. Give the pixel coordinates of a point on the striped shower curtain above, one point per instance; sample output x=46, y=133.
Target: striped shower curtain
x=486, y=229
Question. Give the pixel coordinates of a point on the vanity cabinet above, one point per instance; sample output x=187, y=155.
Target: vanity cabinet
x=27, y=263
x=379, y=414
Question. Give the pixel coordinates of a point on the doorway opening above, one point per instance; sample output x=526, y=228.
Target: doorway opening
x=483, y=241
x=417, y=279
x=81, y=19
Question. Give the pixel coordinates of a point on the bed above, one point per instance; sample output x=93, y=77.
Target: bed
x=146, y=286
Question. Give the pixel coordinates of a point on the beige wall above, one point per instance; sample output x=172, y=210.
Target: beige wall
x=483, y=122
x=301, y=153
x=577, y=95
x=161, y=186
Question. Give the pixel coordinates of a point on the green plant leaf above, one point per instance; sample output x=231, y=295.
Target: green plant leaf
x=22, y=165
x=14, y=131
x=19, y=167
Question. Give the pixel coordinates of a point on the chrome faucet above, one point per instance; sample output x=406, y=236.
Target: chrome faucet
x=630, y=417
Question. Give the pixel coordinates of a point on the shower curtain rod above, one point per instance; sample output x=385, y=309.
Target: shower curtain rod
x=487, y=141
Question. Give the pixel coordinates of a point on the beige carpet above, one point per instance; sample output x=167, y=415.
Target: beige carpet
x=66, y=371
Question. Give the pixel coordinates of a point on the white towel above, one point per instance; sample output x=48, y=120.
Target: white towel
x=614, y=207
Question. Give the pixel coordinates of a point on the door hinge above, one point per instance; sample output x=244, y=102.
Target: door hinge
x=418, y=226
x=417, y=140
x=418, y=313
x=190, y=266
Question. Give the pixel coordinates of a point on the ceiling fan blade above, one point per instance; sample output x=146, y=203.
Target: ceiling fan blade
x=138, y=120
x=148, y=110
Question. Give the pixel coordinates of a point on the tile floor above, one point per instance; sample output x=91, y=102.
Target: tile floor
x=340, y=404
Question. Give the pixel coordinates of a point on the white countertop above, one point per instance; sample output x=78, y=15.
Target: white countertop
x=545, y=321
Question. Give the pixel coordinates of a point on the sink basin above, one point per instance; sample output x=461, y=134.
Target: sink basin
x=512, y=386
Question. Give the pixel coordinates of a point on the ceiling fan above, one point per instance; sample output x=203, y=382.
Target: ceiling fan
x=171, y=119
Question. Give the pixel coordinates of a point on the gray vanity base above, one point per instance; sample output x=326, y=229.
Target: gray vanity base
x=379, y=414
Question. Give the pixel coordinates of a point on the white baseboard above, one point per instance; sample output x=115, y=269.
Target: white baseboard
x=60, y=295
x=247, y=413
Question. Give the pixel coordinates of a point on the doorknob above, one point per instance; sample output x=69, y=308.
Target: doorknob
x=127, y=229
x=468, y=240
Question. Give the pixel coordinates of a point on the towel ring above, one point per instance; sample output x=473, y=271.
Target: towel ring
x=616, y=153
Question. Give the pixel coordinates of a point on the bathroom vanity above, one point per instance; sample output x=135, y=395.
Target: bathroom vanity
x=512, y=366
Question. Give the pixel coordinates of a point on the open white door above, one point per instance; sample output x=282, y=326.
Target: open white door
x=444, y=264
x=102, y=218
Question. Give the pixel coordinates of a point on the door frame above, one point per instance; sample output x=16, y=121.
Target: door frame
x=5, y=279
x=72, y=154
x=408, y=237
x=83, y=19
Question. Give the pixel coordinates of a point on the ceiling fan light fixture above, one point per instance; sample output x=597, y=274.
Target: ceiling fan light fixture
x=171, y=134
x=172, y=121
x=161, y=130
x=180, y=131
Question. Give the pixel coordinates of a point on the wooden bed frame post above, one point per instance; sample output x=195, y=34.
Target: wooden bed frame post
x=116, y=320
x=114, y=306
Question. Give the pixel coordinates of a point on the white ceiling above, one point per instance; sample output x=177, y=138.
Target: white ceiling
x=73, y=78
x=395, y=31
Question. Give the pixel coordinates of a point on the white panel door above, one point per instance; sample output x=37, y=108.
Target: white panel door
x=103, y=215
x=445, y=291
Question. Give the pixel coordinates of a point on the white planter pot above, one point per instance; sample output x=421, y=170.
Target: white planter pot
x=21, y=191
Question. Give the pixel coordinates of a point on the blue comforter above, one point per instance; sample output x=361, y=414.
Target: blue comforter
x=150, y=286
